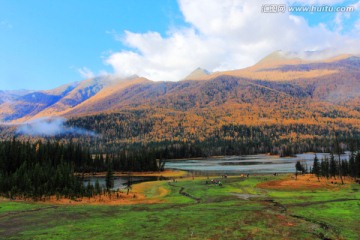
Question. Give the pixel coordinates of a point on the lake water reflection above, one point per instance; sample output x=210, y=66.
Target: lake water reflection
x=260, y=163
x=119, y=182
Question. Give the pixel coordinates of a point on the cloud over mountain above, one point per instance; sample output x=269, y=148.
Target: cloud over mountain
x=225, y=35
x=50, y=127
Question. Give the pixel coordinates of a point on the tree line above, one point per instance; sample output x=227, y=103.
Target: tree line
x=175, y=135
x=333, y=166
x=217, y=133
x=181, y=137
x=36, y=170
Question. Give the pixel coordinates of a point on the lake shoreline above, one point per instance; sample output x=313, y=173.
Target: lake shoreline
x=246, y=164
x=166, y=174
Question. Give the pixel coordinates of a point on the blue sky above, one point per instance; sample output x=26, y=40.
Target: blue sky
x=44, y=44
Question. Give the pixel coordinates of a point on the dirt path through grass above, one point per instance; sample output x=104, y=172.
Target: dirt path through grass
x=182, y=192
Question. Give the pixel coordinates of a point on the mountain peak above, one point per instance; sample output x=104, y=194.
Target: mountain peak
x=197, y=74
x=279, y=58
x=134, y=76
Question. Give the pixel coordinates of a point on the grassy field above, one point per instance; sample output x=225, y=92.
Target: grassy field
x=239, y=209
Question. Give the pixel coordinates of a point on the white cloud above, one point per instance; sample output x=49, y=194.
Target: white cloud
x=86, y=73
x=50, y=127
x=223, y=35
x=342, y=19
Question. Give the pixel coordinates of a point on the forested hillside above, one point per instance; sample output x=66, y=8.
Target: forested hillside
x=282, y=108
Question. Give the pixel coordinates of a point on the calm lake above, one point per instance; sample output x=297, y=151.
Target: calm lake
x=119, y=182
x=229, y=165
x=259, y=163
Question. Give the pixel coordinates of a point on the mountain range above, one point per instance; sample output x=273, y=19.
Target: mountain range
x=282, y=97
x=278, y=76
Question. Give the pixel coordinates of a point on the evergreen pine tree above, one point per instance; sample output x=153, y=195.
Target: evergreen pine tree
x=333, y=167
x=109, y=179
x=316, y=167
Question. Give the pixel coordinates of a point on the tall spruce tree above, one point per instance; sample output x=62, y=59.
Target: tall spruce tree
x=316, y=167
x=333, y=167
x=338, y=151
x=109, y=179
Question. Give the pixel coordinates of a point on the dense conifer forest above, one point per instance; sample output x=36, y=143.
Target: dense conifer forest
x=333, y=167
x=181, y=137
x=36, y=170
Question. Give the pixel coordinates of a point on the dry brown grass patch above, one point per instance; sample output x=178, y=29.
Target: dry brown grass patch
x=304, y=182
x=135, y=196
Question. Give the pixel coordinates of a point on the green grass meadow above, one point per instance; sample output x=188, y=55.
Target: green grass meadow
x=236, y=210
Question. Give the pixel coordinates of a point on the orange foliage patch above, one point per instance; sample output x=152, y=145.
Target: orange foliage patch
x=303, y=182
x=135, y=196
x=113, y=199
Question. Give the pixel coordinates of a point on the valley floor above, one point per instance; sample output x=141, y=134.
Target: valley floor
x=258, y=207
